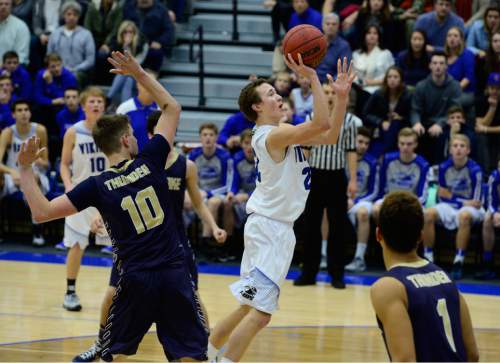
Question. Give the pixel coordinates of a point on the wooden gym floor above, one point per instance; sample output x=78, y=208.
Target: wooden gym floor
x=314, y=323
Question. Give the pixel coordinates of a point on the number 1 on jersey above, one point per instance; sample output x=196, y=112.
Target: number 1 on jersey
x=140, y=211
x=442, y=310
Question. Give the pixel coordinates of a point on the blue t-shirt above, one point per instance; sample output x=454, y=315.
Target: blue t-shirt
x=366, y=179
x=434, y=312
x=65, y=119
x=137, y=208
x=464, y=67
x=138, y=115
x=6, y=118
x=244, y=174
x=214, y=171
x=494, y=192
x=463, y=183
x=310, y=16
x=398, y=175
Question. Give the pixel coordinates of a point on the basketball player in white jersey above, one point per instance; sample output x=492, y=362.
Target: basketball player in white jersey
x=80, y=158
x=10, y=142
x=283, y=182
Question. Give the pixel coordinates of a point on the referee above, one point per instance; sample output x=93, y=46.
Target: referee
x=329, y=190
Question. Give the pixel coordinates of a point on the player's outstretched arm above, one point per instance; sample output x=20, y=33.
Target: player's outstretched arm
x=341, y=86
x=42, y=210
x=198, y=205
x=467, y=332
x=126, y=64
x=320, y=105
x=390, y=303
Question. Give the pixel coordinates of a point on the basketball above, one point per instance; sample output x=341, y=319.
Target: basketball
x=307, y=40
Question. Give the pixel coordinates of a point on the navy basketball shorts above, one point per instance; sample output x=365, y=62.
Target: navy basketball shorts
x=114, y=277
x=164, y=296
x=190, y=260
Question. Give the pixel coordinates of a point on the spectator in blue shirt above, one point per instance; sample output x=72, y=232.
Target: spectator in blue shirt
x=479, y=35
x=461, y=61
x=152, y=19
x=437, y=23
x=460, y=205
x=214, y=175
x=303, y=14
x=491, y=221
x=337, y=47
x=415, y=60
x=289, y=115
x=71, y=113
x=51, y=82
x=7, y=98
x=20, y=77
x=230, y=134
x=243, y=182
x=138, y=109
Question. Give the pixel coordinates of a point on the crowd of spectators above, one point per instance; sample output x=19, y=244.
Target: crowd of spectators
x=425, y=72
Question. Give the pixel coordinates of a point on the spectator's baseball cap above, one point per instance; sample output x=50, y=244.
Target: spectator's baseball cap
x=493, y=79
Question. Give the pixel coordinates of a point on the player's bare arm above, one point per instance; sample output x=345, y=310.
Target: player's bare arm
x=391, y=306
x=341, y=86
x=42, y=209
x=67, y=158
x=43, y=161
x=126, y=64
x=197, y=202
x=284, y=135
x=467, y=332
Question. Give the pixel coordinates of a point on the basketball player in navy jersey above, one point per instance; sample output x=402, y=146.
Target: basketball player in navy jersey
x=136, y=206
x=181, y=174
x=422, y=315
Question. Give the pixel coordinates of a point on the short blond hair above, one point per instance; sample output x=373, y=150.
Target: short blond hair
x=460, y=137
x=91, y=91
x=406, y=132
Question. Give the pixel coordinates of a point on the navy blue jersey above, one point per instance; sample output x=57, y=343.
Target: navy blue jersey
x=176, y=180
x=434, y=310
x=137, y=208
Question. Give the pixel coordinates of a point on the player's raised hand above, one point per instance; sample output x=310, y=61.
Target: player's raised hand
x=124, y=63
x=345, y=76
x=219, y=234
x=299, y=68
x=30, y=151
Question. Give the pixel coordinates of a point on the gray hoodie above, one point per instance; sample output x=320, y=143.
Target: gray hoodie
x=431, y=102
x=77, y=51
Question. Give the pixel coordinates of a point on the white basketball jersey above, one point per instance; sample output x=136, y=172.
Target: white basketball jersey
x=15, y=144
x=281, y=188
x=87, y=158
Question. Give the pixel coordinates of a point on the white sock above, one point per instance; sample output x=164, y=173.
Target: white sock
x=459, y=258
x=360, y=250
x=212, y=352
x=324, y=243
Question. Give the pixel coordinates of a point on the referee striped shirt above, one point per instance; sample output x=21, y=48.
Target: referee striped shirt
x=333, y=157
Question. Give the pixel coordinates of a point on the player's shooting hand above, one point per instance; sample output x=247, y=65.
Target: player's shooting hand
x=345, y=76
x=219, y=234
x=30, y=151
x=124, y=63
x=299, y=68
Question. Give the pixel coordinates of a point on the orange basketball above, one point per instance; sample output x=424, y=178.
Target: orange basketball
x=307, y=40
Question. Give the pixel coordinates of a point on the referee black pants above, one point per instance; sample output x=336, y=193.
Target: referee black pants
x=328, y=190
